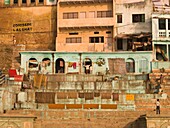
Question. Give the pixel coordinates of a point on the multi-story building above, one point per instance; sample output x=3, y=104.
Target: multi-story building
x=161, y=34
x=89, y=38
x=133, y=28
x=85, y=26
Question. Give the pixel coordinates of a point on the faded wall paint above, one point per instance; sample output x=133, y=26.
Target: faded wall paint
x=139, y=57
x=85, y=25
x=158, y=121
x=127, y=9
x=42, y=22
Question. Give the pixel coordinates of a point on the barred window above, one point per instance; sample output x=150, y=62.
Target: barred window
x=102, y=14
x=96, y=39
x=162, y=24
x=119, y=18
x=138, y=18
x=73, y=40
x=70, y=15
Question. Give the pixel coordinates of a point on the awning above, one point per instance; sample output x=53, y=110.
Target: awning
x=136, y=35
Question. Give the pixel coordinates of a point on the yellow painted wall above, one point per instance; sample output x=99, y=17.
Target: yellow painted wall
x=43, y=23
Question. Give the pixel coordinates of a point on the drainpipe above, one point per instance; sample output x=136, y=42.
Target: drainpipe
x=80, y=54
x=52, y=63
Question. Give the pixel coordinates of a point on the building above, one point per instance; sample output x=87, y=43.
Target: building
x=89, y=38
x=88, y=29
x=133, y=25
x=161, y=29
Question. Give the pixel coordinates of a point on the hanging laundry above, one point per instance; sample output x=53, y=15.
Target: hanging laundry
x=70, y=64
x=74, y=65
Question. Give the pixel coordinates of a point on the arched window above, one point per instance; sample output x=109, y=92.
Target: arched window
x=130, y=65
x=87, y=63
x=33, y=64
x=60, y=65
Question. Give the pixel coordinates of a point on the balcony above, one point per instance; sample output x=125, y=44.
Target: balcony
x=88, y=22
x=163, y=35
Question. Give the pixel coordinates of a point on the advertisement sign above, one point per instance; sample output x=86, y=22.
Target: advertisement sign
x=22, y=27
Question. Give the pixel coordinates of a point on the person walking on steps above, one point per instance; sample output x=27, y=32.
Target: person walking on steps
x=157, y=106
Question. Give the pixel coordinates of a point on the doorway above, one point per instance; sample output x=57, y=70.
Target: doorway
x=87, y=66
x=130, y=65
x=60, y=66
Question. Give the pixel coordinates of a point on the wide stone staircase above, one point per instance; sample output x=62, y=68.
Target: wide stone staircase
x=132, y=103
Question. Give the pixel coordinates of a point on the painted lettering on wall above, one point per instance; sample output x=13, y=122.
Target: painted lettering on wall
x=22, y=27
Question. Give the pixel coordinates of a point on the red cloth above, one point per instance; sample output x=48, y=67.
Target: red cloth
x=12, y=72
x=74, y=65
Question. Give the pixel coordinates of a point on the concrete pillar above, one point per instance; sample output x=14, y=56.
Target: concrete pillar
x=11, y=2
x=167, y=50
x=28, y=2
x=167, y=32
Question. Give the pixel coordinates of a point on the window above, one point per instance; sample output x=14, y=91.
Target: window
x=138, y=18
x=162, y=24
x=102, y=14
x=7, y=2
x=24, y=1
x=41, y=1
x=73, y=33
x=96, y=39
x=119, y=44
x=168, y=24
x=96, y=32
x=70, y=15
x=108, y=32
x=162, y=34
x=119, y=18
x=73, y=40
x=32, y=1
x=15, y=1
x=82, y=15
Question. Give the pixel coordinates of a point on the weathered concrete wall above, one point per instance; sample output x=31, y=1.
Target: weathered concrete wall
x=140, y=59
x=6, y=56
x=127, y=9
x=84, y=25
x=34, y=27
x=158, y=121
x=16, y=121
x=85, y=118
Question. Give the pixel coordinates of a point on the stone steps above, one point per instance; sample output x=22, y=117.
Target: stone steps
x=84, y=119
